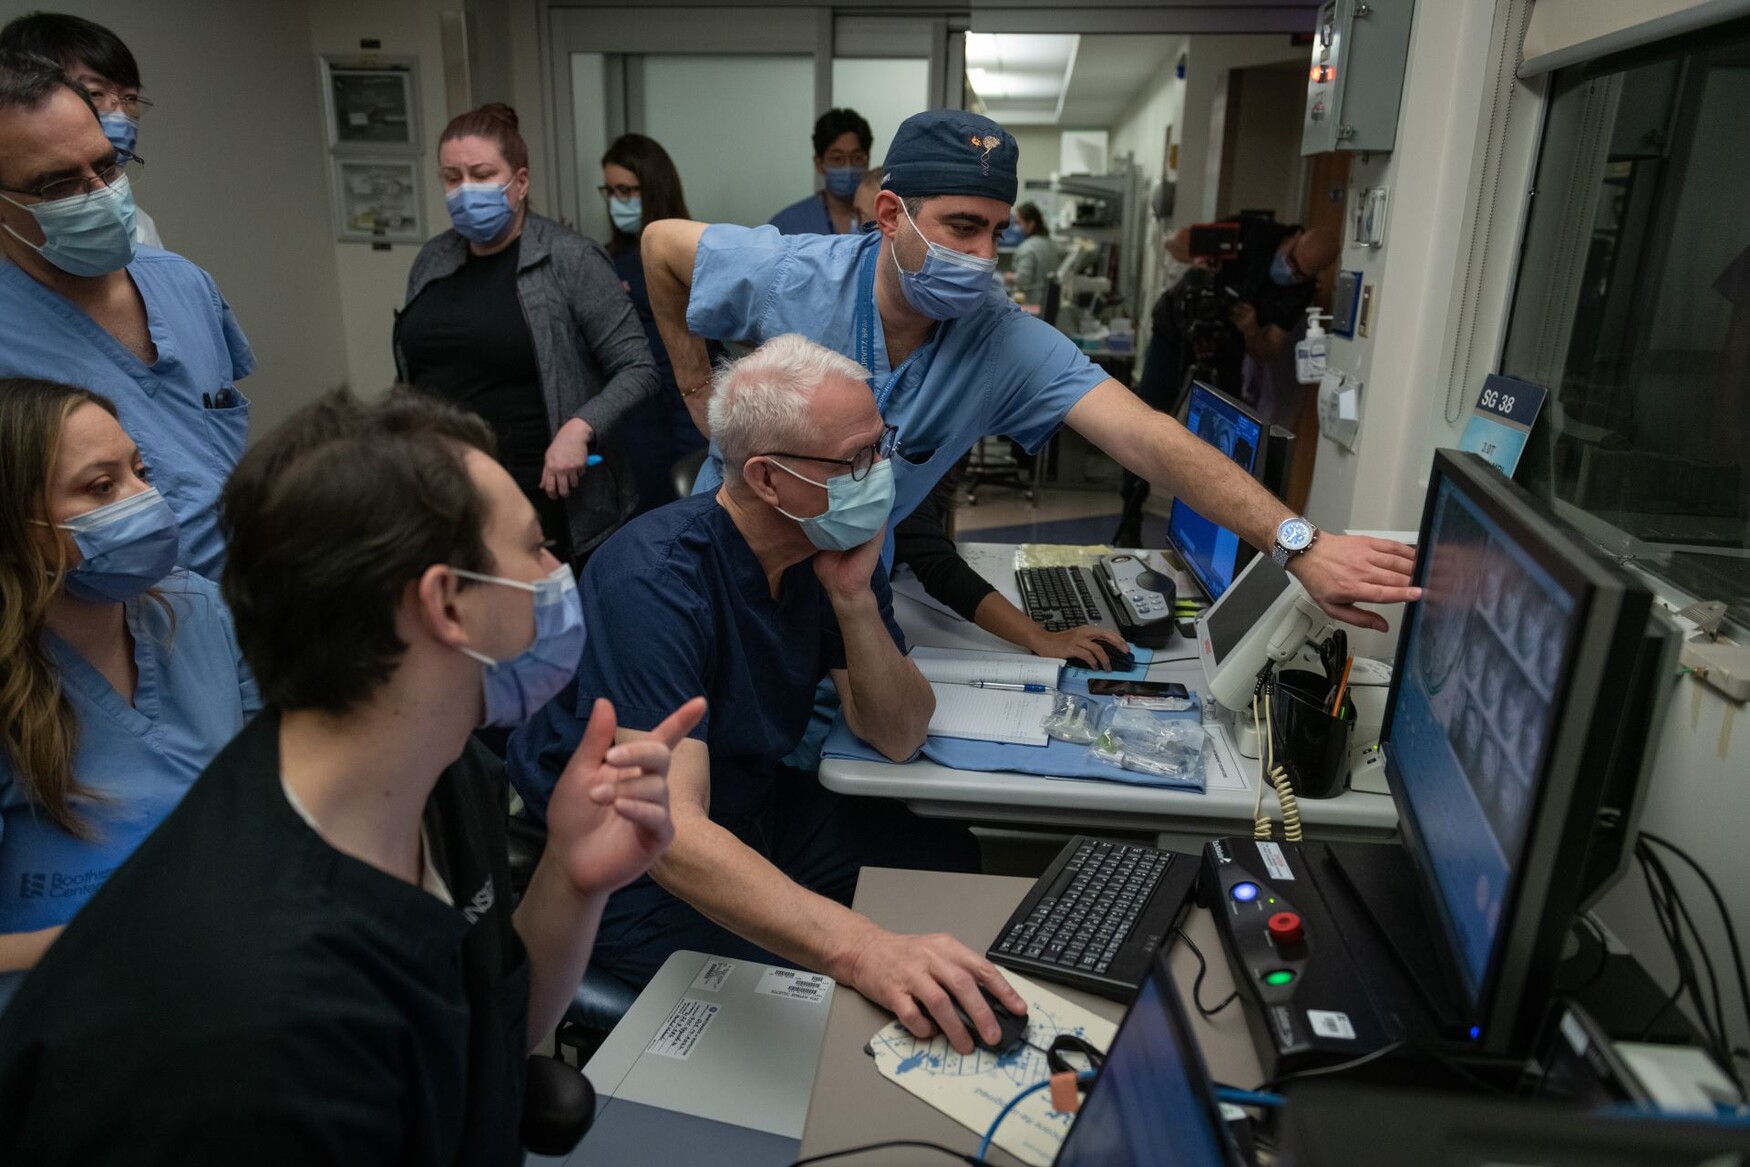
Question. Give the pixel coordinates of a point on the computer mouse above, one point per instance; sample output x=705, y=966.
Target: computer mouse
x=1121, y=660
x=1013, y=1027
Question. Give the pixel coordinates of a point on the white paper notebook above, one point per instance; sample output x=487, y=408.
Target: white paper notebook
x=987, y=715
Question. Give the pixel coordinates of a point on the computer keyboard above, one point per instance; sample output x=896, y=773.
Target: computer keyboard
x=1060, y=597
x=1096, y=916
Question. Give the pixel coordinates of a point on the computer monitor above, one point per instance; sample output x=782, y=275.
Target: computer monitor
x=1508, y=693
x=1213, y=554
x=1154, y=1102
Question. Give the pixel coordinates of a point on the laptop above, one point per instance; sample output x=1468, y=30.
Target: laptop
x=713, y=1063
x=1153, y=1104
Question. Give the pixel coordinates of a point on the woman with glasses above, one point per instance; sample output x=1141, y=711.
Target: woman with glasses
x=99, y=63
x=521, y=320
x=640, y=185
x=120, y=675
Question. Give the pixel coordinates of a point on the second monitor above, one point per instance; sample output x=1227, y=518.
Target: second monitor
x=1213, y=554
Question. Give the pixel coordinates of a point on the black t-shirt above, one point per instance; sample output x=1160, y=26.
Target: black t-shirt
x=241, y=992
x=1279, y=305
x=466, y=340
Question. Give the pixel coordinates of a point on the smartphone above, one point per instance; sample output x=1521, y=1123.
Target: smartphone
x=1103, y=687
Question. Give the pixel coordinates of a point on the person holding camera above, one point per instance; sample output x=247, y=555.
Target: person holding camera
x=1230, y=321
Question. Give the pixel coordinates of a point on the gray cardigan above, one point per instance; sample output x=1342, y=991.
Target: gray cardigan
x=589, y=347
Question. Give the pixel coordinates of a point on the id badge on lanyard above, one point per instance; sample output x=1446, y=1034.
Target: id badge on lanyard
x=865, y=325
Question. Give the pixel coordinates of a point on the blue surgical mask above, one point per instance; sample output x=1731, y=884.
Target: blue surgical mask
x=1282, y=272
x=855, y=511
x=125, y=547
x=480, y=211
x=122, y=130
x=87, y=235
x=627, y=214
x=842, y=181
x=517, y=688
x=949, y=284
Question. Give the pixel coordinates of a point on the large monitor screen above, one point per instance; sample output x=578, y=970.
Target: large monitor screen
x=1484, y=656
x=1153, y=1102
x=1212, y=553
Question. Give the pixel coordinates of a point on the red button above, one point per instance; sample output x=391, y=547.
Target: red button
x=1284, y=928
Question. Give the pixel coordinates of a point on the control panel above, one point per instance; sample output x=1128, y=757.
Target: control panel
x=1356, y=79
x=1142, y=599
x=1304, y=1000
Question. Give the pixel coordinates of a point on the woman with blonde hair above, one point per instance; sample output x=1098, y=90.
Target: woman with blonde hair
x=120, y=676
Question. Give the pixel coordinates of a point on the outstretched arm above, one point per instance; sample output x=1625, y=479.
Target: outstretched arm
x=1338, y=571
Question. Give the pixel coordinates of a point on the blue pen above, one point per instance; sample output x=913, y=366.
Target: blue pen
x=593, y=460
x=1009, y=687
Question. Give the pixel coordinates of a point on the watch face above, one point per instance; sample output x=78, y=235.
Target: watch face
x=1295, y=534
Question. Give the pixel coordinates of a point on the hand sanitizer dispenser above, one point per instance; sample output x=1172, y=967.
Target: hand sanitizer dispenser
x=1310, y=352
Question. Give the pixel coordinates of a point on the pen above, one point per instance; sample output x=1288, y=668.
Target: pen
x=1009, y=687
x=593, y=460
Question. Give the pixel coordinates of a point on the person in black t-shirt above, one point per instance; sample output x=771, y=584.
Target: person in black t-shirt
x=315, y=959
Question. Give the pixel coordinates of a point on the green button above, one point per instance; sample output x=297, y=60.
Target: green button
x=1278, y=978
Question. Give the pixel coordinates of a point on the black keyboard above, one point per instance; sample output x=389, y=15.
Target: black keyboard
x=1060, y=597
x=1096, y=916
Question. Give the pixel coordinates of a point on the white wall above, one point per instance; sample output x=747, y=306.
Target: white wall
x=235, y=176
x=1039, y=152
x=885, y=90
x=372, y=283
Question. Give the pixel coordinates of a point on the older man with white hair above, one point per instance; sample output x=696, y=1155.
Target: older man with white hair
x=750, y=596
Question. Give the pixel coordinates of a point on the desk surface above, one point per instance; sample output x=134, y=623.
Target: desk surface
x=1178, y=819
x=853, y=1105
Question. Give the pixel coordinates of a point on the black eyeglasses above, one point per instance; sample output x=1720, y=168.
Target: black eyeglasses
x=618, y=192
x=131, y=104
x=66, y=188
x=861, y=461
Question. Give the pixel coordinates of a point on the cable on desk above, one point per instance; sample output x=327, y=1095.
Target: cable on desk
x=991, y=1134
x=1197, y=984
x=974, y=1160
x=1339, y=1068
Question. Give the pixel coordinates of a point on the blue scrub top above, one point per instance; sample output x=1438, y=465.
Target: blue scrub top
x=996, y=370
x=193, y=696
x=189, y=447
x=807, y=216
x=677, y=606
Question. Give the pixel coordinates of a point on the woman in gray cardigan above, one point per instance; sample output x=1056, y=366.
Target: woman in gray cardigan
x=523, y=321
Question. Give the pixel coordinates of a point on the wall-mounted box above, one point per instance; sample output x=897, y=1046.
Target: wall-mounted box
x=1356, y=79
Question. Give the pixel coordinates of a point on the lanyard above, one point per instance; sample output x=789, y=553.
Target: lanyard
x=864, y=326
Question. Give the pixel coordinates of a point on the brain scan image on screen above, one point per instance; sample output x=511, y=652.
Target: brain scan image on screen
x=1450, y=594
x=1519, y=704
x=1549, y=653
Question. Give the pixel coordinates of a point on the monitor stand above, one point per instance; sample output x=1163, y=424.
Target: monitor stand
x=1612, y=987
x=1383, y=879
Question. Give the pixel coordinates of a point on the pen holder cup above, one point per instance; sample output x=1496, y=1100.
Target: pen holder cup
x=1311, y=745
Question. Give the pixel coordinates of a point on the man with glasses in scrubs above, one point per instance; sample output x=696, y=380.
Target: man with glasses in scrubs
x=917, y=303
x=83, y=304
x=750, y=595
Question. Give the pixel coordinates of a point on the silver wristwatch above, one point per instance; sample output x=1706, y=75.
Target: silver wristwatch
x=1293, y=537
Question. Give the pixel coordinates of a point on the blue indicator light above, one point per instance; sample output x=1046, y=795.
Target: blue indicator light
x=1245, y=893
x=1476, y=1031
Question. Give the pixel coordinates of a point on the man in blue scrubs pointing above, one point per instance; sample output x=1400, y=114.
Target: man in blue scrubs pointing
x=917, y=303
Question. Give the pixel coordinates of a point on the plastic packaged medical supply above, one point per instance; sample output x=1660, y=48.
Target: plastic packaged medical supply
x=1136, y=739
x=1072, y=719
